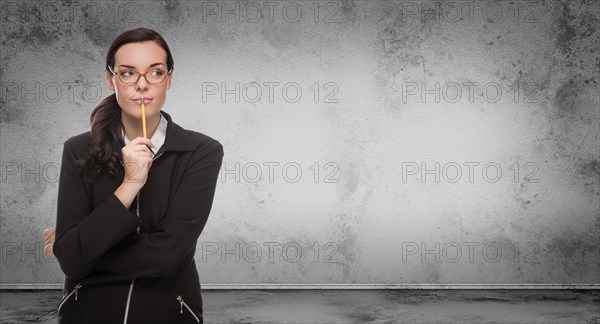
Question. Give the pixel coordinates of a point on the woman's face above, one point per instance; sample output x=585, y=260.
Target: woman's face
x=143, y=58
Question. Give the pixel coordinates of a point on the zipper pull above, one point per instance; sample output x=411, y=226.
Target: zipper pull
x=180, y=304
x=77, y=288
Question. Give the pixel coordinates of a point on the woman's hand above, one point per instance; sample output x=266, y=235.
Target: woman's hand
x=137, y=159
x=49, y=237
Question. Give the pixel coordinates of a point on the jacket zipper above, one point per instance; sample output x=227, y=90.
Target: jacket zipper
x=74, y=291
x=181, y=304
x=137, y=211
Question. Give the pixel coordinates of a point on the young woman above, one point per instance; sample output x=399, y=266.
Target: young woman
x=130, y=209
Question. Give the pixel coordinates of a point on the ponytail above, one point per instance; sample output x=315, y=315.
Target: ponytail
x=105, y=134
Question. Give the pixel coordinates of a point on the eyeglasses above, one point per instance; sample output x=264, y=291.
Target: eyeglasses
x=130, y=77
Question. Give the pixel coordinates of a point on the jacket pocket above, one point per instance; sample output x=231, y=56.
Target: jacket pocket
x=68, y=296
x=183, y=305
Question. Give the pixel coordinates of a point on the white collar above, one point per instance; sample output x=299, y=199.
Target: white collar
x=158, y=138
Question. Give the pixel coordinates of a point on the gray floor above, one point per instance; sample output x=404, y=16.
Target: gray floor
x=355, y=306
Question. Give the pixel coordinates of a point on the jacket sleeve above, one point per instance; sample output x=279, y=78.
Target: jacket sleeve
x=162, y=252
x=82, y=234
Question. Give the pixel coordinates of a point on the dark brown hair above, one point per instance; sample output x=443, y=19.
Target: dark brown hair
x=105, y=120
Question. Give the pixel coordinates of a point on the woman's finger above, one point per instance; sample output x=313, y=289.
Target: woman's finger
x=49, y=235
x=142, y=140
x=138, y=149
x=48, y=249
x=46, y=237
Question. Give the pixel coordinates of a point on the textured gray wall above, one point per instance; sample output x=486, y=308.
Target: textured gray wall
x=450, y=142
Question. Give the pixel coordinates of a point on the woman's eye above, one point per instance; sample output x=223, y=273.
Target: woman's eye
x=126, y=73
x=157, y=72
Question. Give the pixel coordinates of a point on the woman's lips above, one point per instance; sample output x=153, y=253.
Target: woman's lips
x=139, y=101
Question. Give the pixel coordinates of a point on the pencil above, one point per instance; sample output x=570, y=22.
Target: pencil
x=144, y=118
x=144, y=123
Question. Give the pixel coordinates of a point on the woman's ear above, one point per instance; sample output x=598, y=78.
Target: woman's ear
x=109, y=78
x=169, y=79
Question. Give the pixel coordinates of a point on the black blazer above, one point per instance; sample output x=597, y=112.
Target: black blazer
x=123, y=268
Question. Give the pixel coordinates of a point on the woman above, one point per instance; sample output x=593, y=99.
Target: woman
x=130, y=209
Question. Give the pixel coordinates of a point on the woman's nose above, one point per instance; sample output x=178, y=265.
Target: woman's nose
x=142, y=83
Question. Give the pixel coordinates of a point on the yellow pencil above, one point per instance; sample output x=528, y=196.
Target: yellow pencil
x=144, y=118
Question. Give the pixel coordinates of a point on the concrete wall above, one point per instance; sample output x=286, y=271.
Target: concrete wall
x=437, y=143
